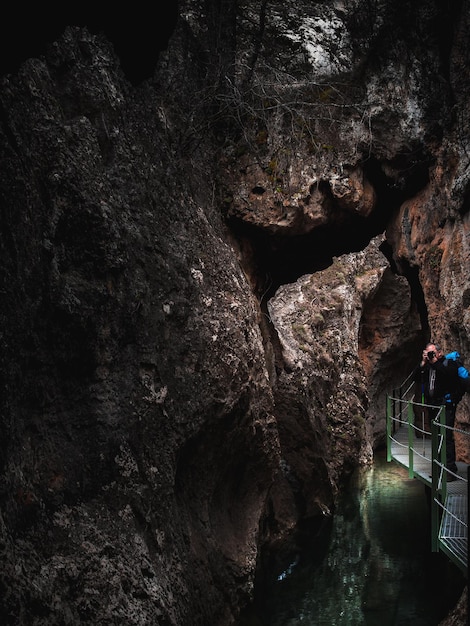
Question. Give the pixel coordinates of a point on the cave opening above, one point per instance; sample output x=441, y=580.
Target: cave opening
x=275, y=259
x=272, y=258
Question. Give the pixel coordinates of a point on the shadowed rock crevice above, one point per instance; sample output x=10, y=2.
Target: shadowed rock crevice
x=273, y=258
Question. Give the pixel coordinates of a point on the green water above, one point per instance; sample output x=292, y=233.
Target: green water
x=377, y=567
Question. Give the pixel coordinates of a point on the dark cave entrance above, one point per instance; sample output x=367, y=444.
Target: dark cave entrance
x=272, y=259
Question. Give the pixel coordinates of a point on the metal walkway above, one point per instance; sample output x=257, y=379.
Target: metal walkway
x=422, y=453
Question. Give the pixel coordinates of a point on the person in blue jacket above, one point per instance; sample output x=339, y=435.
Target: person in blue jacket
x=443, y=381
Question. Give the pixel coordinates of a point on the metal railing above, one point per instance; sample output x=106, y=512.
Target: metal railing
x=418, y=443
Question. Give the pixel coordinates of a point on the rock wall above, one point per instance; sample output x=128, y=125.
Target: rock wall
x=209, y=282
x=137, y=424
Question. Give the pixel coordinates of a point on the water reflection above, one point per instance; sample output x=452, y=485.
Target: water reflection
x=378, y=569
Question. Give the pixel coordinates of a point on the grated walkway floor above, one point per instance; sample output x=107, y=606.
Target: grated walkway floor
x=453, y=533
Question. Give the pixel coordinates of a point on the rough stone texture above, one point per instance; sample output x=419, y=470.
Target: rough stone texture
x=458, y=617
x=339, y=329
x=138, y=441
x=209, y=282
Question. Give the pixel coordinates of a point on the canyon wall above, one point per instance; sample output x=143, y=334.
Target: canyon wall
x=210, y=280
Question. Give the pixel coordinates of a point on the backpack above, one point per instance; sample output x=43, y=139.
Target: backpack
x=463, y=383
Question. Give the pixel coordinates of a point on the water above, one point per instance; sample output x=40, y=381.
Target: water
x=377, y=568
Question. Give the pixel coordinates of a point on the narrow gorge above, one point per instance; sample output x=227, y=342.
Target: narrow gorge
x=223, y=241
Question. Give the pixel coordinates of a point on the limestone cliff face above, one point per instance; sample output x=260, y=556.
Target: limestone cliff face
x=138, y=435
x=210, y=281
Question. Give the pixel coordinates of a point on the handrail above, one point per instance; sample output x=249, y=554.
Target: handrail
x=409, y=440
x=412, y=428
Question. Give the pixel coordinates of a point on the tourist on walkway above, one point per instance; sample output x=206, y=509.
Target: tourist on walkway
x=442, y=382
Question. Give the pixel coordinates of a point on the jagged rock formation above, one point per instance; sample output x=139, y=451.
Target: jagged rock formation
x=209, y=282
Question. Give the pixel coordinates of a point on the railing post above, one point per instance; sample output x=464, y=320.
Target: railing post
x=401, y=403
x=468, y=545
x=443, y=458
x=434, y=487
x=389, y=429
x=410, y=439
